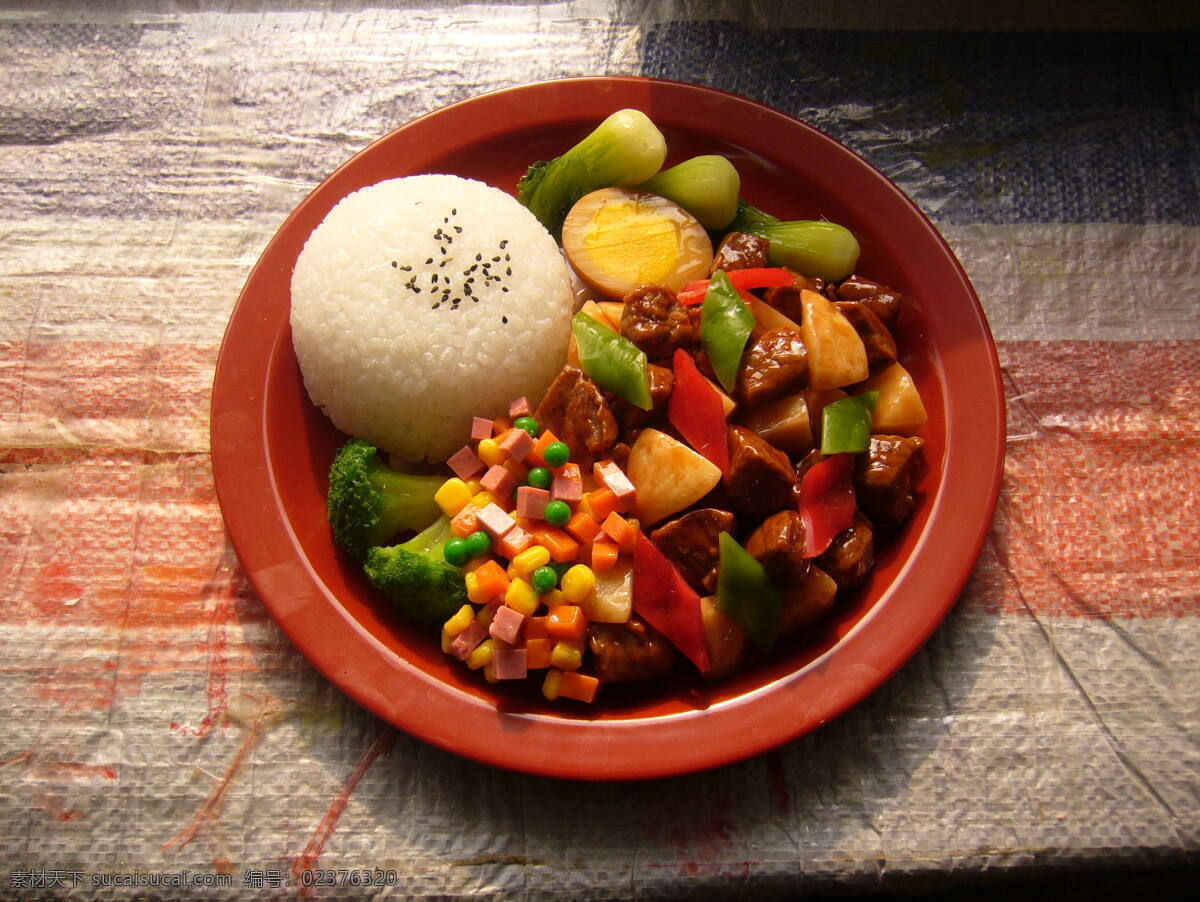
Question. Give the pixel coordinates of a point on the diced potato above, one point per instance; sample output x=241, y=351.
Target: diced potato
x=784, y=423
x=596, y=312
x=573, y=352
x=836, y=355
x=613, y=311
x=770, y=318
x=808, y=602
x=612, y=599
x=727, y=403
x=727, y=642
x=899, y=410
x=668, y=475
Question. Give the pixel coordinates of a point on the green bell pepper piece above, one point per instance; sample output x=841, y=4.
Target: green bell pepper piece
x=745, y=593
x=613, y=362
x=846, y=424
x=725, y=326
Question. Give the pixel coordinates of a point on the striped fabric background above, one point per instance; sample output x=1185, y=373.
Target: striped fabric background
x=156, y=719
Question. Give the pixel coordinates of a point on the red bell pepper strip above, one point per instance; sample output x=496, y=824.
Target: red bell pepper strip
x=741, y=279
x=695, y=409
x=826, y=501
x=664, y=600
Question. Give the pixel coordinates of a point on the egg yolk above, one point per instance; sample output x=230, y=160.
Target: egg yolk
x=632, y=242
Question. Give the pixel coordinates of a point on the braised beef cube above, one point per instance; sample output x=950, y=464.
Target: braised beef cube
x=575, y=410
x=629, y=652
x=878, y=341
x=804, y=464
x=619, y=454
x=883, y=478
x=655, y=321
x=760, y=479
x=786, y=299
x=774, y=364
x=630, y=416
x=851, y=554
x=690, y=543
x=778, y=544
x=740, y=250
x=883, y=301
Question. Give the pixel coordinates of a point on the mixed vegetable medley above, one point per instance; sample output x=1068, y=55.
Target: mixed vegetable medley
x=731, y=430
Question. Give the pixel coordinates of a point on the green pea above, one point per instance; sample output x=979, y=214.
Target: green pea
x=529, y=424
x=477, y=543
x=540, y=478
x=456, y=552
x=557, y=513
x=557, y=454
x=543, y=579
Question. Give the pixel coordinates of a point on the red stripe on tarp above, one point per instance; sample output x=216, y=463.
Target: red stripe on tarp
x=1095, y=517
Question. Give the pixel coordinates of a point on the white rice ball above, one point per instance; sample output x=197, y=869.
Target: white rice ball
x=420, y=302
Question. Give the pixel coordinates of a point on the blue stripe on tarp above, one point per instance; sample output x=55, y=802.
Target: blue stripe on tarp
x=976, y=127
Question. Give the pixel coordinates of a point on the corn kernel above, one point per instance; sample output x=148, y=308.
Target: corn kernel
x=452, y=496
x=485, y=615
x=447, y=640
x=521, y=597
x=482, y=499
x=475, y=486
x=578, y=583
x=490, y=452
x=481, y=654
x=460, y=621
x=553, y=597
x=531, y=558
x=489, y=671
x=473, y=591
x=550, y=684
x=566, y=656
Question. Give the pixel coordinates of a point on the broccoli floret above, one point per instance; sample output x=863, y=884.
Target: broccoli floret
x=416, y=576
x=369, y=502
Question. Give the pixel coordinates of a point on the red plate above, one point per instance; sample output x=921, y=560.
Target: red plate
x=271, y=450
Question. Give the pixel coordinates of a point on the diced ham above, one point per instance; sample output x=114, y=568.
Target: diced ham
x=495, y=521
x=481, y=428
x=464, y=643
x=531, y=502
x=568, y=484
x=465, y=463
x=510, y=663
x=515, y=541
x=518, y=443
x=499, y=481
x=614, y=479
x=506, y=624
x=519, y=408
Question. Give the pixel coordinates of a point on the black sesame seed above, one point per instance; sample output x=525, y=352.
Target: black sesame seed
x=504, y=288
x=503, y=244
x=495, y=259
x=507, y=258
x=394, y=264
x=508, y=271
x=406, y=268
x=478, y=257
x=454, y=211
x=458, y=229
x=430, y=260
x=504, y=319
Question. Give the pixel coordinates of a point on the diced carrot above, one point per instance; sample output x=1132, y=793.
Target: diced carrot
x=535, y=628
x=566, y=621
x=583, y=527
x=535, y=457
x=563, y=549
x=493, y=581
x=515, y=541
x=465, y=522
x=603, y=502
x=519, y=470
x=620, y=531
x=604, y=555
x=537, y=651
x=579, y=686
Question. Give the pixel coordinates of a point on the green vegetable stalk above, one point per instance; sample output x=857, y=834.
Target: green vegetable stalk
x=624, y=150
x=812, y=247
x=745, y=593
x=846, y=424
x=416, y=576
x=725, y=326
x=706, y=186
x=612, y=361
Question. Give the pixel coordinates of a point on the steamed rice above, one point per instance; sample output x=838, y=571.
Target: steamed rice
x=422, y=301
